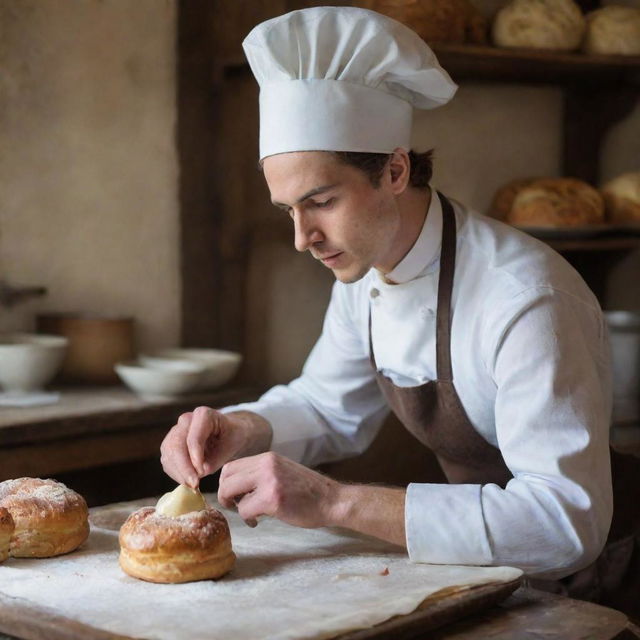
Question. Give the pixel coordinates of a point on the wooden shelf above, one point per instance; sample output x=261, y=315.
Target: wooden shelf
x=472, y=62
x=611, y=243
x=487, y=63
x=217, y=99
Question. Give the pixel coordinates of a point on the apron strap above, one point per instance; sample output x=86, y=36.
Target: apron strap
x=444, y=370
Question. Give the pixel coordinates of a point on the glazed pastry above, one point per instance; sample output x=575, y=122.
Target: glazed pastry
x=50, y=519
x=168, y=544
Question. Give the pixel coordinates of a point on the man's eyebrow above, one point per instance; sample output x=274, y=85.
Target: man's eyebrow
x=309, y=194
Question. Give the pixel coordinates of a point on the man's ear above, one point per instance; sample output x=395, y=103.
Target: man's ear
x=399, y=170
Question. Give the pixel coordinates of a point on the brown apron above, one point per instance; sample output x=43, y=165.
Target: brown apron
x=433, y=413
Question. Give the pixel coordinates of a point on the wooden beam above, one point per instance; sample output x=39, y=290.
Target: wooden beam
x=200, y=215
x=589, y=113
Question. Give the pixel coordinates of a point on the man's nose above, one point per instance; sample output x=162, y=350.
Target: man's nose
x=306, y=232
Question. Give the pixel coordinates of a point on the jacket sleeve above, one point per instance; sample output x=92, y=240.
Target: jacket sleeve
x=548, y=359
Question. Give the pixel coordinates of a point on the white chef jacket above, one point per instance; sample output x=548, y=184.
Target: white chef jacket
x=531, y=366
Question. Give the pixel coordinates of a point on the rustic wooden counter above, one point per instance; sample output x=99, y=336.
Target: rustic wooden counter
x=92, y=427
x=527, y=614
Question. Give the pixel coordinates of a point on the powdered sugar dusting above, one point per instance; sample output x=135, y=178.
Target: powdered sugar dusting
x=46, y=494
x=146, y=529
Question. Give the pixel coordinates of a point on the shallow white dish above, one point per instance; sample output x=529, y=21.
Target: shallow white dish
x=160, y=379
x=219, y=366
x=28, y=361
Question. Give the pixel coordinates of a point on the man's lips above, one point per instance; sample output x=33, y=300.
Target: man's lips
x=330, y=259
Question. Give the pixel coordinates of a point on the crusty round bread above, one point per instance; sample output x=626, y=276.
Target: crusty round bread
x=435, y=21
x=557, y=202
x=613, y=30
x=505, y=195
x=539, y=24
x=193, y=546
x=50, y=519
x=622, y=198
x=7, y=527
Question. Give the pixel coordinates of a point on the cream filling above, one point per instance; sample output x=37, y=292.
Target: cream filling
x=182, y=499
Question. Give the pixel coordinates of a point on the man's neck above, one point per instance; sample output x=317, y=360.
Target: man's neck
x=413, y=205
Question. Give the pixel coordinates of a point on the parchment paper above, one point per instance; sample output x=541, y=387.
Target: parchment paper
x=287, y=583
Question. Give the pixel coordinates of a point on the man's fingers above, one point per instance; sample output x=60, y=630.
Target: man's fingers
x=203, y=424
x=232, y=489
x=250, y=507
x=175, y=458
x=179, y=466
x=248, y=464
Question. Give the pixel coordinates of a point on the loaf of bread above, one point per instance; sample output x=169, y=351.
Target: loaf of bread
x=622, y=198
x=455, y=21
x=539, y=24
x=49, y=518
x=7, y=527
x=613, y=30
x=505, y=195
x=557, y=202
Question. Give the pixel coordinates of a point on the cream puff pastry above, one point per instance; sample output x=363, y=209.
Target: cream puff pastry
x=167, y=544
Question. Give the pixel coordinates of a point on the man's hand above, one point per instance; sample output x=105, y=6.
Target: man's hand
x=272, y=485
x=203, y=440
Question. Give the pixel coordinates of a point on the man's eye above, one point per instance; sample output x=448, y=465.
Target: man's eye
x=325, y=204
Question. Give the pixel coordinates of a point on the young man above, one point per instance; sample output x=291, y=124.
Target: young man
x=487, y=345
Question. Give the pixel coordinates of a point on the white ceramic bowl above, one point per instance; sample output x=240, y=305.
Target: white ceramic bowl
x=160, y=379
x=28, y=361
x=624, y=333
x=219, y=366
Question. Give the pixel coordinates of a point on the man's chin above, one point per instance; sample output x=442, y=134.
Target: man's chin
x=349, y=276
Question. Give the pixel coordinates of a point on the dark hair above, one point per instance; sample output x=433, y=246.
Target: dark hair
x=373, y=165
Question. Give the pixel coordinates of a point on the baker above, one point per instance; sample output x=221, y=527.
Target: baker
x=487, y=345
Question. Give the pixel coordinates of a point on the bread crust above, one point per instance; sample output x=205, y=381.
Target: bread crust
x=50, y=519
x=557, y=202
x=539, y=24
x=436, y=21
x=193, y=546
x=7, y=527
x=613, y=30
x=505, y=195
x=622, y=198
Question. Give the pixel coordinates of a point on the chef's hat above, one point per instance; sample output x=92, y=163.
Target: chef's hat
x=341, y=79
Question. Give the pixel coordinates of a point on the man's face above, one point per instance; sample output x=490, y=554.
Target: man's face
x=338, y=215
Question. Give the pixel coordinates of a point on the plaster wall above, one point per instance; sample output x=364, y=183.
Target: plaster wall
x=88, y=173
x=88, y=167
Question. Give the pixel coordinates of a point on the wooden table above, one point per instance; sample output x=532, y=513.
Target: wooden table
x=527, y=614
x=91, y=427
x=94, y=427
